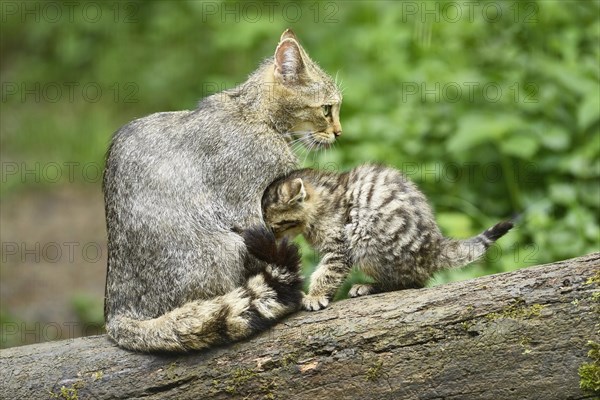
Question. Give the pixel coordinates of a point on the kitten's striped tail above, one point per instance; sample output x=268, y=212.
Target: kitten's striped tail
x=272, y=291
x=458, y=253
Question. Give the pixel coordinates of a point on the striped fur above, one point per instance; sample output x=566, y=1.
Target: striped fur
x=272, y=291
x=373, y=217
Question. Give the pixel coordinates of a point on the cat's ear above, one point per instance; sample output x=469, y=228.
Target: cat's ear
x=288, y=34
x=289, y=65
x=292, y=191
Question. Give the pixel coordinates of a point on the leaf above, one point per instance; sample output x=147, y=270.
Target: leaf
x=520, y=145
x=474, y=129
x=589, y=110
x=563, y=193
x=589, y=193
x=577, y=164
x=555, y=138
x=570, y=79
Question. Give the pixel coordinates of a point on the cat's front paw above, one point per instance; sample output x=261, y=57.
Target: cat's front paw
x=314, y=303
x=362, y=290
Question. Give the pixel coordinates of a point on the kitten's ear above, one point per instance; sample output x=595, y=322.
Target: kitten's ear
x=289, y=65
x=292, y=191
x=288, y=34
x=298, y=191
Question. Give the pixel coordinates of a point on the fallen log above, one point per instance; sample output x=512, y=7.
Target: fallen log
x=517, y=335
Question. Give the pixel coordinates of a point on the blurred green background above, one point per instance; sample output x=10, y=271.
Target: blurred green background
x=493, y=108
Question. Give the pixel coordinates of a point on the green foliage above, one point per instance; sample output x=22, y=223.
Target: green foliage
x=589, y=373
x=10, y=333
x=88, y=309
x=67, y=393
x=492, y=113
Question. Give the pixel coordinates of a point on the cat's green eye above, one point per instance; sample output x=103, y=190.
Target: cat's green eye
x=326, y=110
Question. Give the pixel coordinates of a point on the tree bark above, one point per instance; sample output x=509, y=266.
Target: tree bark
x=517, y=335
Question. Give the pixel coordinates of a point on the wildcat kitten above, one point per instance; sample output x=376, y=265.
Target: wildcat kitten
x=176, y=183
x=372, y=217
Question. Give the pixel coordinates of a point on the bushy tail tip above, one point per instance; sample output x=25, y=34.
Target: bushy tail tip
x=284, y=258
x=497, y=231
x=261, y=243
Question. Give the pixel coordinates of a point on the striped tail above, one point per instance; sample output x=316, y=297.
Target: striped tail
x=458, y=253
x=272, y=291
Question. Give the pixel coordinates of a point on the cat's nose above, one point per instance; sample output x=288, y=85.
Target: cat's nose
x=337, y=128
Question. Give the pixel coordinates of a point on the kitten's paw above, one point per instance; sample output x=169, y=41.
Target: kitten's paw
x=314, y=303
x=361, y=290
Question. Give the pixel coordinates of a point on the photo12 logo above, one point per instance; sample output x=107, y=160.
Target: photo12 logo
x=52, y=252
x=470, y=11
x=269, y=11
x=54, y=12
x=470, y=172
x=71, y=92
x=470, y=92
x=36, y=332
x=50, y=172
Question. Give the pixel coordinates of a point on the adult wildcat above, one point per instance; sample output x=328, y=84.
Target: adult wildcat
x=175, y=186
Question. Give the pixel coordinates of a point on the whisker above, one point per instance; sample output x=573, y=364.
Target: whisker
x=300, y=152
x=298, y=145
x=304, y=141
x=296, y=142
x=299, y=149
x=339, y=84
x=309, y=150
x=310, y=147
x=301, y=134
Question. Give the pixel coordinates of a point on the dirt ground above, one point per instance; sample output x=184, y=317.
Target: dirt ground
x=53, y=264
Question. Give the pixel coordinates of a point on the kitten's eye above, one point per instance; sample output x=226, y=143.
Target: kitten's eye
x=326, y=110
x=285, y=225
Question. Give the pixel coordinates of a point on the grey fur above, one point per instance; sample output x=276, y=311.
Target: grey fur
x=177, y=183
x=373, y=217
